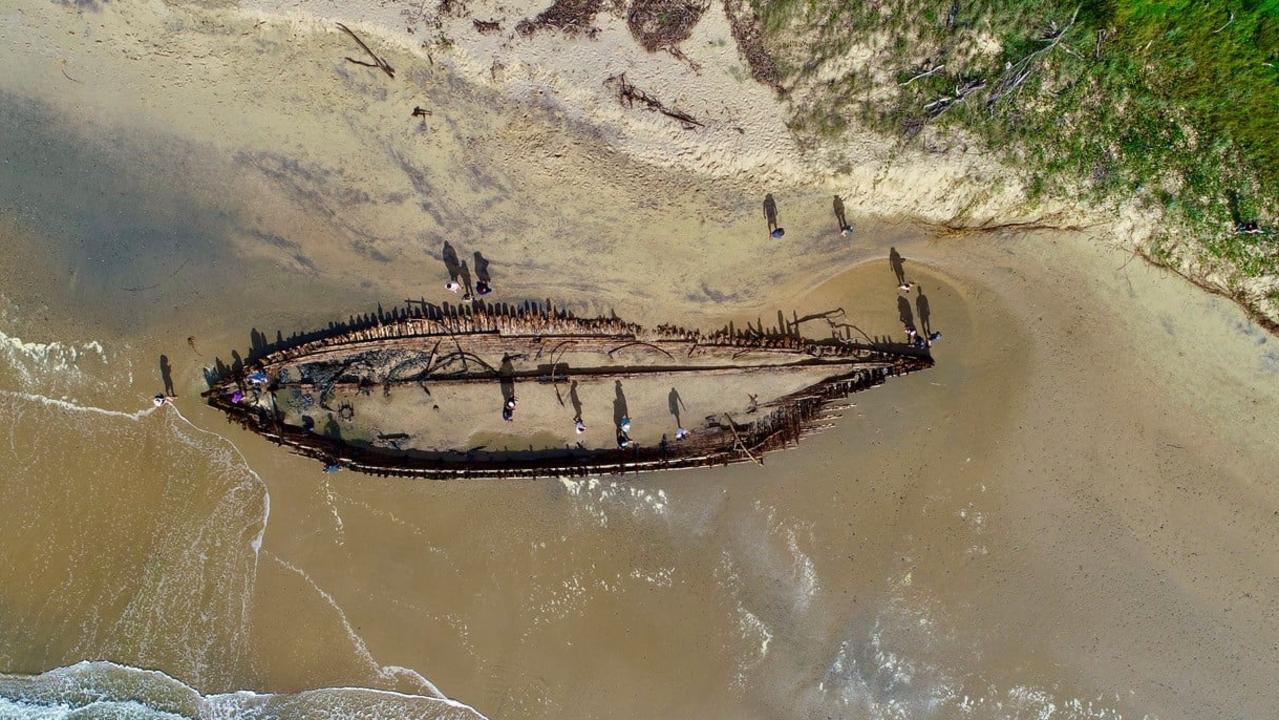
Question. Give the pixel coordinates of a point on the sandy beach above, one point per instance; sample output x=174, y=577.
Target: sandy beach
x=1072, y=515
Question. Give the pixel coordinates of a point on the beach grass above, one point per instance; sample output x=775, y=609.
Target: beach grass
x=1175, y=102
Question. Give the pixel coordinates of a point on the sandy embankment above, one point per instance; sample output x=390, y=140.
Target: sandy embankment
x=745, y=134
x=948, y=180
x=744, y=143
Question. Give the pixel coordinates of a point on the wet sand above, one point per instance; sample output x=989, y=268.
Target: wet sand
x=1075, y=510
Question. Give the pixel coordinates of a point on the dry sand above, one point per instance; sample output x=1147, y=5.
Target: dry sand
x=1072, y=515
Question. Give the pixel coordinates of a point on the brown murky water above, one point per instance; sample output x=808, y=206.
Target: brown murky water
x=1072, y=515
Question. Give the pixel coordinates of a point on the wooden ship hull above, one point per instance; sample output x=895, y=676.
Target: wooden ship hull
x=427, y=391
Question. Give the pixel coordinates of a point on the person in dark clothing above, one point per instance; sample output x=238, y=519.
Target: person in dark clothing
x=844, y=228
x=899, y=268
x=770, y=215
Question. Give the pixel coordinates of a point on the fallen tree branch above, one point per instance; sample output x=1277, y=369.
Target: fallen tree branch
x=1016, y=74
x=828, y=315
x=946, y=102
x=378, y=62
x=953, y=229
x=927, y=73
x=627, y=94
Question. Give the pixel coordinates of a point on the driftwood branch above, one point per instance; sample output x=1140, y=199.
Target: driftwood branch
x=834, y=328
x=1010, y=82
x=828, y=315
x=926, y=73
x=946, y=102
x=1016, y=74
x=627, y=94
x=378, y=62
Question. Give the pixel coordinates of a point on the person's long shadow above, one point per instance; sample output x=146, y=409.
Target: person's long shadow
x=619, y=404
x=577, y=402
x=925, y=312
x=466, y=282
x=840, y=217
x=903, y=311
x=506, y=373
x=1232, y=202
x=451, y=261
x=676, y=403
x=332, y=429
x=899, y=265
x=770, y=212
x=481, y=267
x=166, y=374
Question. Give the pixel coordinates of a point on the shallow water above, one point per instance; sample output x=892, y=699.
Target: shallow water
x=1070, y=516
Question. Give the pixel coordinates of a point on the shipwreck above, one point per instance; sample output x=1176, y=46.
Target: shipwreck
x=528, y=390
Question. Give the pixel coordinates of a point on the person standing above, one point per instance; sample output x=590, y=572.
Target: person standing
x=770, y=215
x=899, y=268
x=844, y=228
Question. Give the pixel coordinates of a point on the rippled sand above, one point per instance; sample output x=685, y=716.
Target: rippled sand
x=1072, y=515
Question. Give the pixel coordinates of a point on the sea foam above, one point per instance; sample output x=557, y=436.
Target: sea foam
x=106, y=689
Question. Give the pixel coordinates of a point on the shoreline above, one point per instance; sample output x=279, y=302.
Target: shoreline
x=129, y=696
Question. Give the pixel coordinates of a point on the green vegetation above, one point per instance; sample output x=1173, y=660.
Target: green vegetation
x=1172, y=101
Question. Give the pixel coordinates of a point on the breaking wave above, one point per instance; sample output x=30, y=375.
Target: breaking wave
x=99, y=689
x=56, y=367
x=597, y=497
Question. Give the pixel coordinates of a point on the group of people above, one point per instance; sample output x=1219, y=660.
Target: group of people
x=460, y=274
x=776, y=231
x=919, y=341
x=482, y=287
x=579, y=425
x=258, y=381
x=624, y=434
